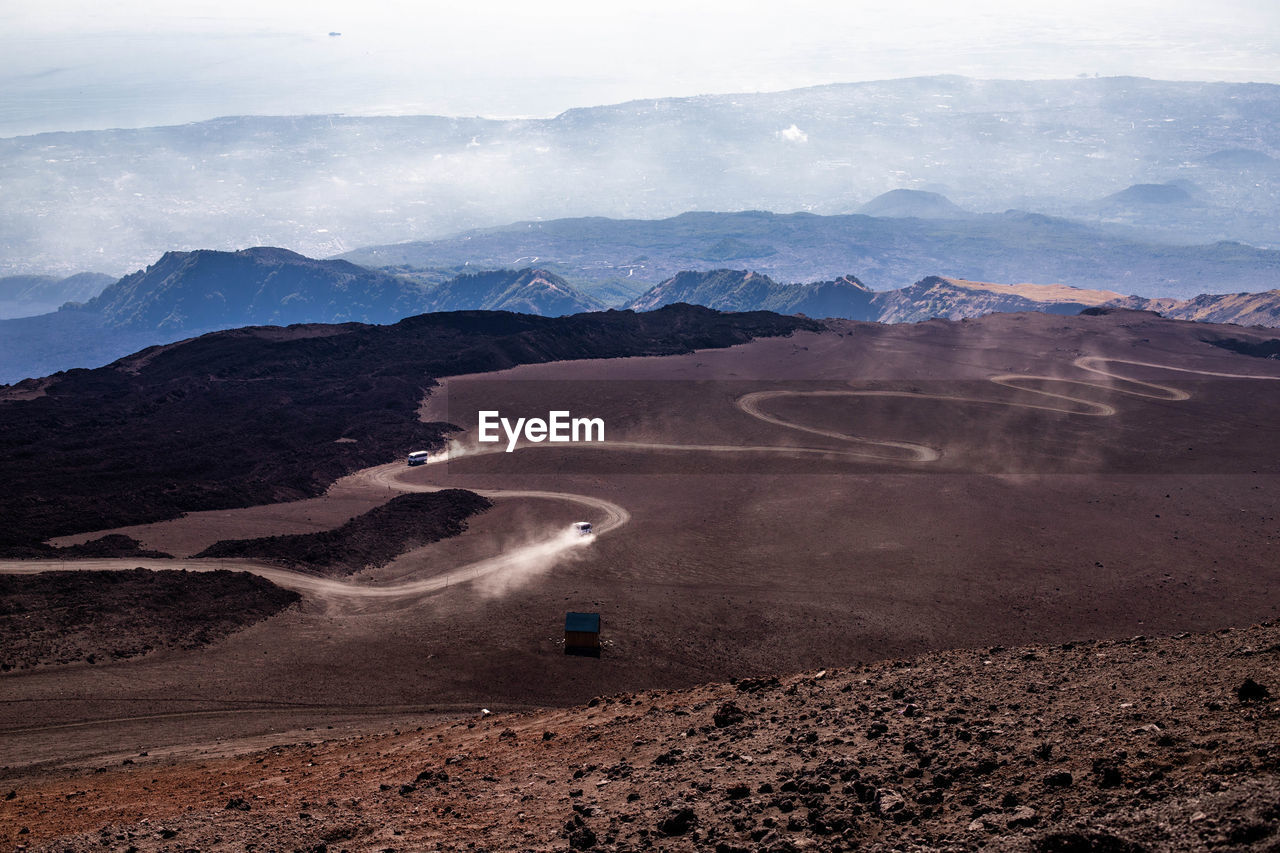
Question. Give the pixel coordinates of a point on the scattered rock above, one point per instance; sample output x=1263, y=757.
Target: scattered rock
x=1252, y=691
x=678, y=822
x=888, y=801
x=753, y=685
x=1061, y=779
x=1085, y=842
x=728, y=714
x=582, y=838
x=1250, y=833
x=1023, y=816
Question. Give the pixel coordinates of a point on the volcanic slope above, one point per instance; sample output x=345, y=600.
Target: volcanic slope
x=265, y=414
x=1138, y=745
x=830, y=497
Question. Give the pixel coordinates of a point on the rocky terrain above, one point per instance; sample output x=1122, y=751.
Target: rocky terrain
x=369, y=540
x=938, y=296
x=1245, y=309
x=844, y=297
x=1118, y=746
x=73, y=617
x=525, y=291
x=955, y=299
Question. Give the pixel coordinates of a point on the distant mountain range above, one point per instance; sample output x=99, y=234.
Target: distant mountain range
x=526, y=291
x=202, y=290
x=189, y=293
x=732, y=290
x=615, y=260
x=934, y=296
x=1245, y=309
x=115, y=199
x=185, y=294
x=939, y=297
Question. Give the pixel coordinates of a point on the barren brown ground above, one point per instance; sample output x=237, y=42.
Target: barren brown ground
x=1034, y=526
x=1142, y=744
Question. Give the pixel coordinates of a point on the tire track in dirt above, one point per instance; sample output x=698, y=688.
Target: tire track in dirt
x=550, y=549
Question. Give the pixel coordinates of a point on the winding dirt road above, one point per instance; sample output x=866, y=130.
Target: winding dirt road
x=552, y=548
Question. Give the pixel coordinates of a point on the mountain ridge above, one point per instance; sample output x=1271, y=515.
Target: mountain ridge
x=617, y=259
x=184, y=294
x=934, y=296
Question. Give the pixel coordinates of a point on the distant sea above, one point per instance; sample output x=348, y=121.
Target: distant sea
x=114, y=79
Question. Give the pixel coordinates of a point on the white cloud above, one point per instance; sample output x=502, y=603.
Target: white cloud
x=794, y=134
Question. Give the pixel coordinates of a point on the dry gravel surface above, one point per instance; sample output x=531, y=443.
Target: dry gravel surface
x=1142, y=744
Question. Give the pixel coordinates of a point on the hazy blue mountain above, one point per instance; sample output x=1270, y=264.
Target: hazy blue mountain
x=322, y=185
x=526, y=291
x=27, y=295
x=1150, y=194
x=741, y=290
x=188, y=293
x=204, y=290
x=1242, y=159
x=913, y=203
x=617, y=260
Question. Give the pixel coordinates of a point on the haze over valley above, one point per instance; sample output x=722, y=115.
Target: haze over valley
x=1091, y=150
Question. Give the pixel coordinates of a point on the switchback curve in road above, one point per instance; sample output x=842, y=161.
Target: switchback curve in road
x=548, y=550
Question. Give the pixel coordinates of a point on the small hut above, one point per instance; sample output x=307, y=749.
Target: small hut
x=582, y=634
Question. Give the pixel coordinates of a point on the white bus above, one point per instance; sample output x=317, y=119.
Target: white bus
x=419, y=457
x=583, y=528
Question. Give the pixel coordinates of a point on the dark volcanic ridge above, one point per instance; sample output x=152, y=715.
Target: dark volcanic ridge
x=113, y=545
x=261, y=415
x=66, y=617
x=367, y=541
x=1257, y=349
x=1144, y=744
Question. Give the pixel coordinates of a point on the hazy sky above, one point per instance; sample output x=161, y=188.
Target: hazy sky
x=70, y=64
